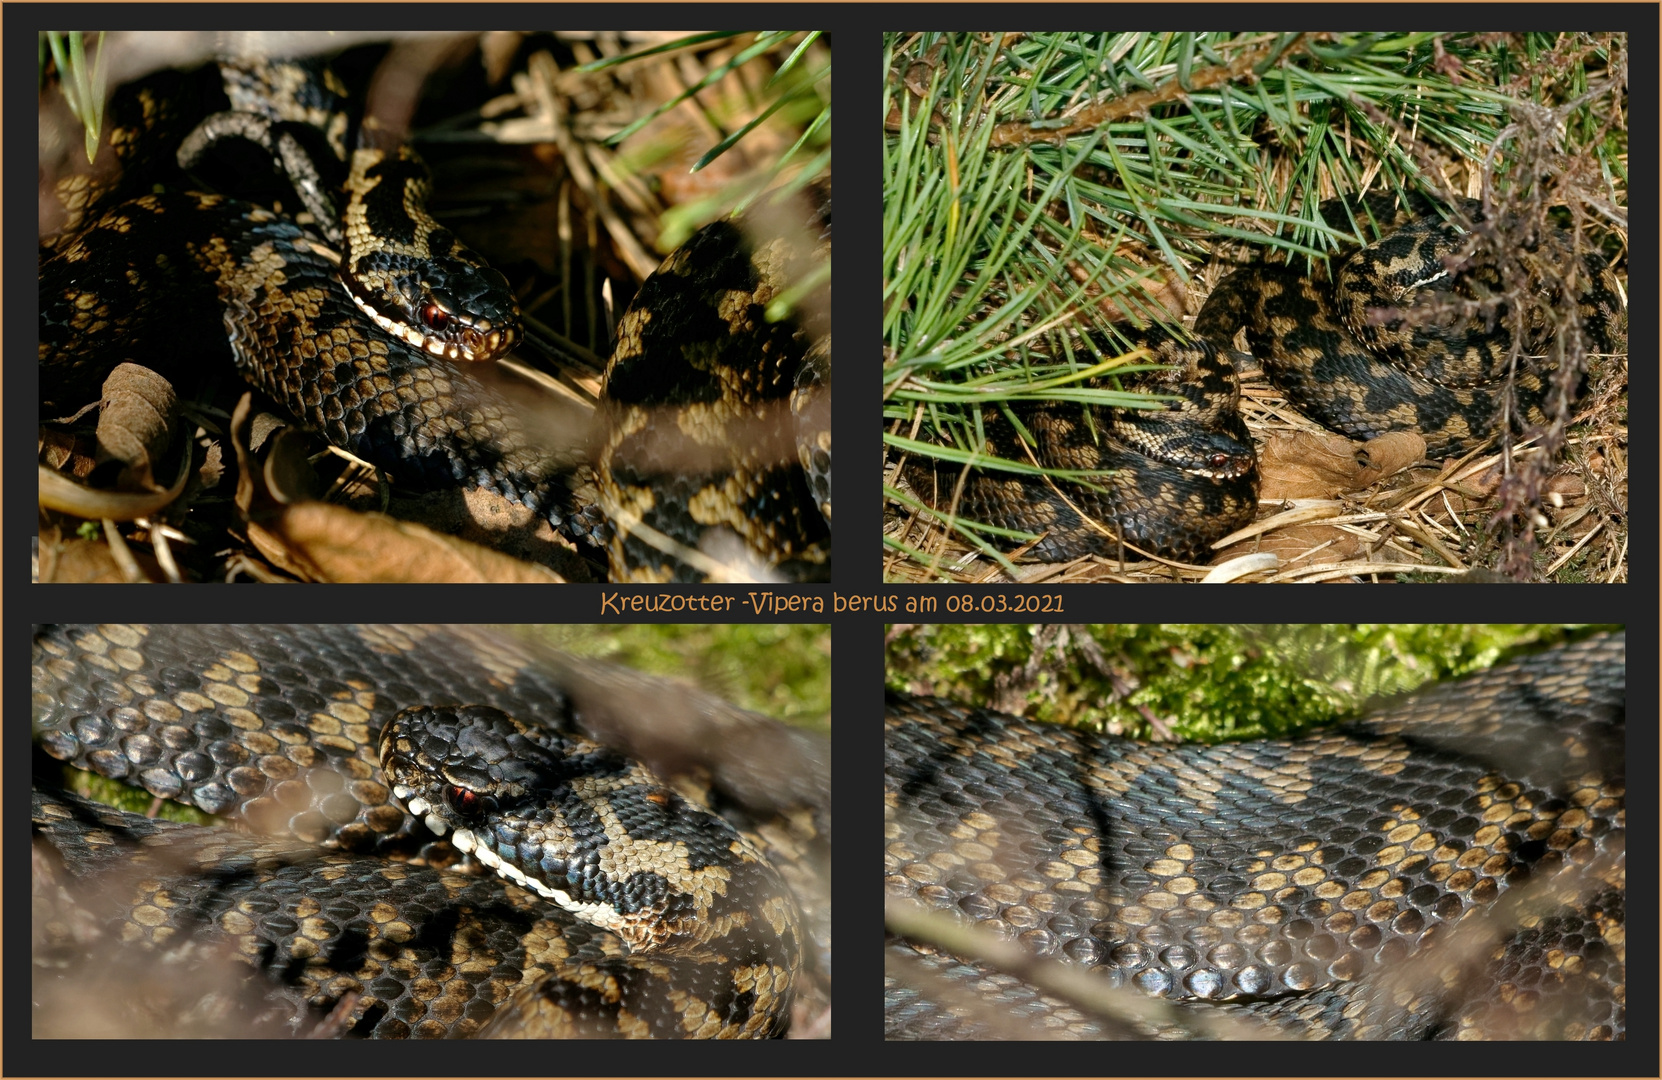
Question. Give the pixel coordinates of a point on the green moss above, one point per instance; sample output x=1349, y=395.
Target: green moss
x=781, y=670
x=1201, y=682
x=131, y=799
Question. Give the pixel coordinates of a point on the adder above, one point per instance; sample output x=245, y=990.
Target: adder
x=630, y=877
x=361, y=317
x=1384, y=345
x=1450, y=865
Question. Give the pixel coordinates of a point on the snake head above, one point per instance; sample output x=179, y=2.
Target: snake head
x=557, y=814
x=1217, y=454
x=411, y=275
x=445, y=306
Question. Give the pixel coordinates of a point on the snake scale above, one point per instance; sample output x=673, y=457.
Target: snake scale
x=1380, y=346
x=325, y=905
x=255, y=222
x=1449, y=865
x=1167, y=480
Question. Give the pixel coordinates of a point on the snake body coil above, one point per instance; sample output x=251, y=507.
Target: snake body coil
x=366, y=320
x=242, y=278
x=622, y=909
x=1385, y=345
x=1375, y=350
x=1448, y=866
x=1169, y=480
x=704, y=443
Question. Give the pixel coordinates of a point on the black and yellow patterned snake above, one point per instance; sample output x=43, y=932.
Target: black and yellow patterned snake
x=1450, y=865
x=324, y=904
x=1384, y=345
x=364, y=319
x=1168, y=480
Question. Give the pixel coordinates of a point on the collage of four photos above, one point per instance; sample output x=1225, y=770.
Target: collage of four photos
x=515, y=307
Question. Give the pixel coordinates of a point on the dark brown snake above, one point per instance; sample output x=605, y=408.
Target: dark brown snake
x=361, y=317
x=1375, y=350
x=1448, y=866
x=1167, y=480
x=322, y=906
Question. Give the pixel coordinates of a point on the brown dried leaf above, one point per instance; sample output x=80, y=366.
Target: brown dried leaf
x=1320, y=465
x=331, y=543
x=65, y=453
x=288, y=474
x=1306, y=465
x=1567, y=487
x=212, y=469
x=1388, y=455
x=252, y=498
x=1294, y=544
x=74, y=561
x=136, y=421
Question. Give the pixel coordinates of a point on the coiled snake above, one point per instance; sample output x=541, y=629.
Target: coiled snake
x=624, y=908
x=1168, y=480
x=367, y=321
x=1451, y=865
x=1382, y=347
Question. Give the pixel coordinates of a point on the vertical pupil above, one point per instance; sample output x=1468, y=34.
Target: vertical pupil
x=435, y=316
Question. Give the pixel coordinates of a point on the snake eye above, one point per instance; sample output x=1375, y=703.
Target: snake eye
x=464, y=802
x=435, y=317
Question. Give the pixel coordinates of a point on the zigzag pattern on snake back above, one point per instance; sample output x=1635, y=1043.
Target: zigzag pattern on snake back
x=364, y=319
x=1386, y=346
x=1167, y=480
x=619, y=906
x=1381, y=348
x=737, y=441
x=1448, y=866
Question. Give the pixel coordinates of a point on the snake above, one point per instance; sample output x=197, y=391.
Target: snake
x=732, y=440
x=1385, y=345
x=1447, y=865
x=1168, y=480
x=342, y=301
x=1377, y=346
x=600, y=897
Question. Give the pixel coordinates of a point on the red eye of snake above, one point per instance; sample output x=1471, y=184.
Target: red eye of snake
x=462, y=801
x=435, y=317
